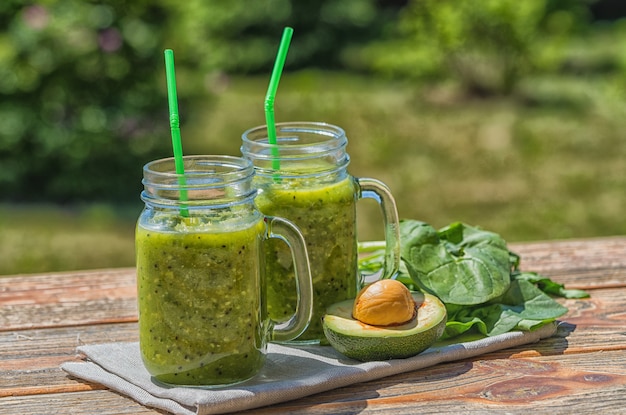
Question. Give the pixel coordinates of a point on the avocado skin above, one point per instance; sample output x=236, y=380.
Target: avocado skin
x=371, y=343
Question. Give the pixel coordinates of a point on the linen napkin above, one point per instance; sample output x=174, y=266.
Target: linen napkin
x=290, y=372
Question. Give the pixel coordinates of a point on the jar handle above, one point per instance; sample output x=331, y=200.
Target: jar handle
x=377, y=190
x=288, y=232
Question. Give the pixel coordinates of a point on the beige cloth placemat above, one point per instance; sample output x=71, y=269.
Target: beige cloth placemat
x=289, y=373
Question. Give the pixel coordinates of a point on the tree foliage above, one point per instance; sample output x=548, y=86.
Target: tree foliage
x=488, y=45
x=83, y=89
x=241, y=36
x=82, y=102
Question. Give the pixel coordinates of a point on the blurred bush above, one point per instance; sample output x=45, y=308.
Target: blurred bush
x=488, y=46
x=241, y=36
x=82, y=103
x=82, y=83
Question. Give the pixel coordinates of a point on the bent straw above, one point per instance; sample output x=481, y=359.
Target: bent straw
x=177, y=145
x=281, y=56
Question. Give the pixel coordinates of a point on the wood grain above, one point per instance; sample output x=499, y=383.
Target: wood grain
x=68, y=299
x=43, y=318
x=502, y=386
x=585, y=263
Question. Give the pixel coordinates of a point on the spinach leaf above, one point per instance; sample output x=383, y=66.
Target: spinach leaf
x=459, y=264
x=522, y=307
x=548, y=286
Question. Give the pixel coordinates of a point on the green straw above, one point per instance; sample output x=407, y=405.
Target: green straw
x=172, y=98
x=271, y=94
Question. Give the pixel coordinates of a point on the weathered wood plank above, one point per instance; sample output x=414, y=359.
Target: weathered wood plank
x=66, y=286
x=570, y=384
x=596, y=401
x=594, y=322
x=27, y=357
x=605, y=307
x=572, y=254
x=99, y=402
x=107, y=296
x=66, y=299
x=106, y=310
x=38, y=382
x=22, y=370
x=33, y=357
x=582, y=369
x=585, y=263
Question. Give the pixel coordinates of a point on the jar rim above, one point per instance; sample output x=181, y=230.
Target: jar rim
x=215, y=180
x=321, y=138
x=202, y=168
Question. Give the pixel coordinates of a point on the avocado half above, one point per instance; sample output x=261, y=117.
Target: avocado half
x=365, y=342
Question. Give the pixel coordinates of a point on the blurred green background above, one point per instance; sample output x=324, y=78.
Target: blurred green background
x=505, y=114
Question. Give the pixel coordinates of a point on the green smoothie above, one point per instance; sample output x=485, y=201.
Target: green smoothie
x=326, y=215
x=200, y=311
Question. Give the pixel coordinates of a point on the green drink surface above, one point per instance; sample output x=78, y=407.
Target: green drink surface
x=326, y=216
x=200, y=313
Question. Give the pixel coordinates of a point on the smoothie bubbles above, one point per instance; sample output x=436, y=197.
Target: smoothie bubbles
x=202, y=308
x=201, y=292
x=301, y=175
x=313, y=189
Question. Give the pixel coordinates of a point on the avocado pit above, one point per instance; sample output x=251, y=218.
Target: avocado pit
x=384, y=303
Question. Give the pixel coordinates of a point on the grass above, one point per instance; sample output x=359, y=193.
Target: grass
x=547, y=163
x=48, y=238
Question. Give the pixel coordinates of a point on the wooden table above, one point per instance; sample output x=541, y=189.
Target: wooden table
x=581, y=370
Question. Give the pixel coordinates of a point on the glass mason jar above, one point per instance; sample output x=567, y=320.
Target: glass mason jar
x=201, y=288
x=304, y=178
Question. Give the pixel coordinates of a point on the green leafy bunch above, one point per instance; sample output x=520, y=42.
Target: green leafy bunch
x=476, y=276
